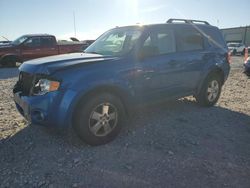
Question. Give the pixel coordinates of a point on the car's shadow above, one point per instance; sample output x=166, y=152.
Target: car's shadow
x=176, y=142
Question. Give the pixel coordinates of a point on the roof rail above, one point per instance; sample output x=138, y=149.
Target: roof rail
x=172, y=20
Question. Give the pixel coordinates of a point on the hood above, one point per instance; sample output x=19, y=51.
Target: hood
x=48, y=65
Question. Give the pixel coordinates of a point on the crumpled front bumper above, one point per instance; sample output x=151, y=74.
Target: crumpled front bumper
x=52, y=109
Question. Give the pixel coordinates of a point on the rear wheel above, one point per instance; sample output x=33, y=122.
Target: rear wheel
x=99, y=120
x=210, y=91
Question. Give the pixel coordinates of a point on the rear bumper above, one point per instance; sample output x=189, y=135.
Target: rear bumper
x=247, y=69
x=52, y=109
x=226, y=69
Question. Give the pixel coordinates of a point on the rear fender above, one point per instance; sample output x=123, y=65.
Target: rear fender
x=215, y=69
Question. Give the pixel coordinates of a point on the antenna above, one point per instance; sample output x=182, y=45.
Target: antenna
x=74, y=22
x=218, y=22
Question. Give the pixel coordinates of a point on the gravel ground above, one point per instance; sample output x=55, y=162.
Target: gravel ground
x=175, y=144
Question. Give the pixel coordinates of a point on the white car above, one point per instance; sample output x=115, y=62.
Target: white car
x=236, y=48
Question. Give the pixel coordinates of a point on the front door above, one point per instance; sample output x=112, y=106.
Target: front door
x=160, y=70
x=31, y=48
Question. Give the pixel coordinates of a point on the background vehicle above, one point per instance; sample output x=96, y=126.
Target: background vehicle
x=125, y=67
x=4, y=40
x=87, y=43
x=247, y=67
x=236, y=48
x=33, y=46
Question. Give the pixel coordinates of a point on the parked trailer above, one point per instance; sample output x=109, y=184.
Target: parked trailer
x=237, y=34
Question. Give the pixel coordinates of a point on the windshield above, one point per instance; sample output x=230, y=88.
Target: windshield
x=116, y=42
x=19, y=40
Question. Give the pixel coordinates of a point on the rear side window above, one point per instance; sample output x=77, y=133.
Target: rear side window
x=47, y=41
x=188, y=39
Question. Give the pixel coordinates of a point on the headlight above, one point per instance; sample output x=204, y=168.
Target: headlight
x=44, y=86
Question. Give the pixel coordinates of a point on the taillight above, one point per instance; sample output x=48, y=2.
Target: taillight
x=229, y=58
x=246, y=54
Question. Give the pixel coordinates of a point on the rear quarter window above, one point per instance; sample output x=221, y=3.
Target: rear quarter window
x=214, y=37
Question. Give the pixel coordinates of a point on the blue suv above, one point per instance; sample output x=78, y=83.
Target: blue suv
x=94, y=91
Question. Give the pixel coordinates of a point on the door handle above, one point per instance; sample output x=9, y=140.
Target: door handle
x=38, y=49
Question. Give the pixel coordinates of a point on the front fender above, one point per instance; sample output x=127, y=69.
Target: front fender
x=74, y=96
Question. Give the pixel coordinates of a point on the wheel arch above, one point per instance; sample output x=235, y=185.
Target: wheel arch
x=214, y=71
x=117, y=91
x=11, y=56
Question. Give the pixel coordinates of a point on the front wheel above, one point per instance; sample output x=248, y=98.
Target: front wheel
x=210, y=91
x=99, y=120
x=9, y=62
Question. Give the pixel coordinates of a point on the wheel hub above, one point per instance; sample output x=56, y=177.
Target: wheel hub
x=103, y=119
x=213, y=90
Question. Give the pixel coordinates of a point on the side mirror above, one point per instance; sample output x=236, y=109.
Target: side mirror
x=147, y=51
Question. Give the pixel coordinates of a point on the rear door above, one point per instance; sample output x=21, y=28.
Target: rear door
x=191, y=55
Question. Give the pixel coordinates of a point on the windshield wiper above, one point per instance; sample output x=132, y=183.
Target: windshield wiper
x=92, y=53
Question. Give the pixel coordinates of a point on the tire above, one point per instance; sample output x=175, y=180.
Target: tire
x=243, y=51
x=99, y=120
x=234, y=52
x=9, y=62
x=210, y=91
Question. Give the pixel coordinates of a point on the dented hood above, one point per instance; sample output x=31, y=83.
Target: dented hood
x=48, y=65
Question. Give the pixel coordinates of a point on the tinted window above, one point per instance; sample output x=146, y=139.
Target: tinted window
x=159, y=42
x=33, y=42
x=215, y=37
x=188, y=40
x=47, y=41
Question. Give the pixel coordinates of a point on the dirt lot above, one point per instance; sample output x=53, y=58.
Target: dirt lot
x=176, y=144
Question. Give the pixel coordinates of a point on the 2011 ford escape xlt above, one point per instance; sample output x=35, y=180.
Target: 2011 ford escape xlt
x=126, y=66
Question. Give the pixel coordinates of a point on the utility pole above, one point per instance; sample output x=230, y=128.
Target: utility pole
x=74, y=22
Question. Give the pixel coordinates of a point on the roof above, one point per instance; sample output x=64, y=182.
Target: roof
x=174, y=21
x=162, y=24
x=35, y=35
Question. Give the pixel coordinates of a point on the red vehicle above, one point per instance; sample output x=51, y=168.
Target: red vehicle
x=33, y=46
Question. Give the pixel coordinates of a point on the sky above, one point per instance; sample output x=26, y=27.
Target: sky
x=93, y=17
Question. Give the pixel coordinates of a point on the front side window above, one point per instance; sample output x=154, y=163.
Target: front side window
x=33, y=42
x=19, y=40
x=188, y=40
x=115, y=42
